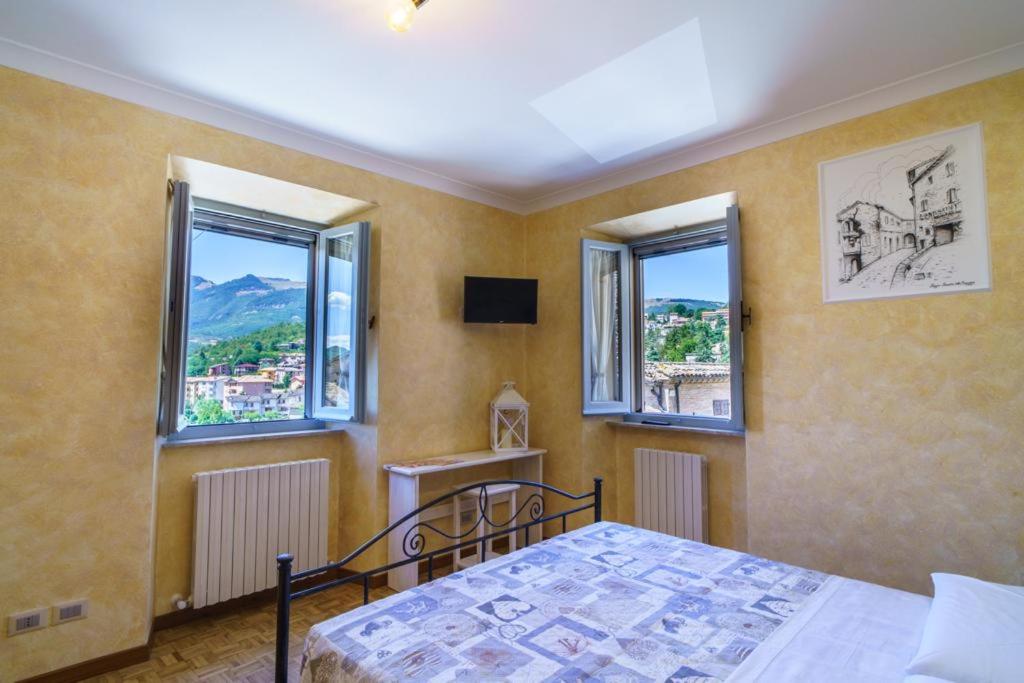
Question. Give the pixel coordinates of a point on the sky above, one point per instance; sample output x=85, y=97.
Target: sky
x=698, y=274
x=220, y=258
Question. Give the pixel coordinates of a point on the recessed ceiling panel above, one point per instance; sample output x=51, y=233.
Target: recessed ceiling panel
x=651, y=94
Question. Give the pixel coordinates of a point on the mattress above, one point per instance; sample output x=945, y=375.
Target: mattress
x=849, y=631
x=612, y=602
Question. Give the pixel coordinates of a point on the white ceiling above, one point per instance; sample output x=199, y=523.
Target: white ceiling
x=456, y=103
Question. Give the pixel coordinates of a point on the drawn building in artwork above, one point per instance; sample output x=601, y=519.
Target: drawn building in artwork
x=869, y=232
x=935, y=196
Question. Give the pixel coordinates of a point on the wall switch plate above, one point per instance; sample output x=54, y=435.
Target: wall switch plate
x=70, y=611
x=30, y=620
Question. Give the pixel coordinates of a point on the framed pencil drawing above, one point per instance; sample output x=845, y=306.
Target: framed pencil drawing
x=905, y=220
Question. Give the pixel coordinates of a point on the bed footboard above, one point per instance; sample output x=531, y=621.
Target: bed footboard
x=415, y=547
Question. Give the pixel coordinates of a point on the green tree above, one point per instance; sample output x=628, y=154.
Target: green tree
x=248, y=356
x=208, y=411
x=651, y=350
x=704, y=352
x=678, y=342
x=249, y=348
x=679, y=309
x=198, y=364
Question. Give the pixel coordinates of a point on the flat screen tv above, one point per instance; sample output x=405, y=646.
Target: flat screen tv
x=500, y=300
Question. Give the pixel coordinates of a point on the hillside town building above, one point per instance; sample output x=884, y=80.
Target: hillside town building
x=688, y=388
x=209, y=387
x=244, y=395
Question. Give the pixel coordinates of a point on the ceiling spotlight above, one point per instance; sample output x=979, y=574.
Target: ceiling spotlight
x=401, y=13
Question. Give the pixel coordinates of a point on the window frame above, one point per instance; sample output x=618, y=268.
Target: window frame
x=186, y=213
x=724, y=232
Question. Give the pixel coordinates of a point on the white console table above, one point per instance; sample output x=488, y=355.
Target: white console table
x=404, y=486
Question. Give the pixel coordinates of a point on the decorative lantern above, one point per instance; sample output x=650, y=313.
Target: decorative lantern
x=509, y=420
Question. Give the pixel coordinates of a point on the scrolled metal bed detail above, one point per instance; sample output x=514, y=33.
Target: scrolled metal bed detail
x=414, y=539
x=414, y=547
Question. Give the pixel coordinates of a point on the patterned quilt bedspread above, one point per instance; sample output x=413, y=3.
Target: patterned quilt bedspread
x=605, y=602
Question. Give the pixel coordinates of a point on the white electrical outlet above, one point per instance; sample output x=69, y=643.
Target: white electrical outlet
x=70, y=611
x=31, y=620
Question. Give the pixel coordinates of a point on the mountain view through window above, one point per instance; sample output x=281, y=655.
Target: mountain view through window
x=246, y=356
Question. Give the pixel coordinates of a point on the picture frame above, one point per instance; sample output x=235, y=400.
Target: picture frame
x=907, y=219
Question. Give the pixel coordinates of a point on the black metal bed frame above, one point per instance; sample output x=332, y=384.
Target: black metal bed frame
x=414, y=543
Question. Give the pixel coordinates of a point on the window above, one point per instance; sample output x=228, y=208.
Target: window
x=265, y=322
x=662, y=341
x=924, y=204
x=950, y=169
x=951, y=195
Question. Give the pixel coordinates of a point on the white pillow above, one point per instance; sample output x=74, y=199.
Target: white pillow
x=974, y=632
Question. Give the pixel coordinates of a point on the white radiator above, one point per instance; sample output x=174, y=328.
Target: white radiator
x=671, y=493
x=245, y=517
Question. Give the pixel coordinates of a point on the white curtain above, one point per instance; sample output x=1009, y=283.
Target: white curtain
x=604, y=287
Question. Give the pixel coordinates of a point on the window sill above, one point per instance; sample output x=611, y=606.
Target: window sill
x=627, y=424
x=240, y=438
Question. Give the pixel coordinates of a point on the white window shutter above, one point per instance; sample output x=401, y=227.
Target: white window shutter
x=339, y=368
x=172, y=403
x=736, y=320
x=607, y=328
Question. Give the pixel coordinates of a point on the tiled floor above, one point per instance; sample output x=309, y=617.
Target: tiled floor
x=237, y=646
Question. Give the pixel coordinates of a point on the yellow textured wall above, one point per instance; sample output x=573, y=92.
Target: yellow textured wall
x=83, y=180
x=884, y=437
x=443, y=372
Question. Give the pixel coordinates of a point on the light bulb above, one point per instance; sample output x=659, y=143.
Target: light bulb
x=400, y=15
